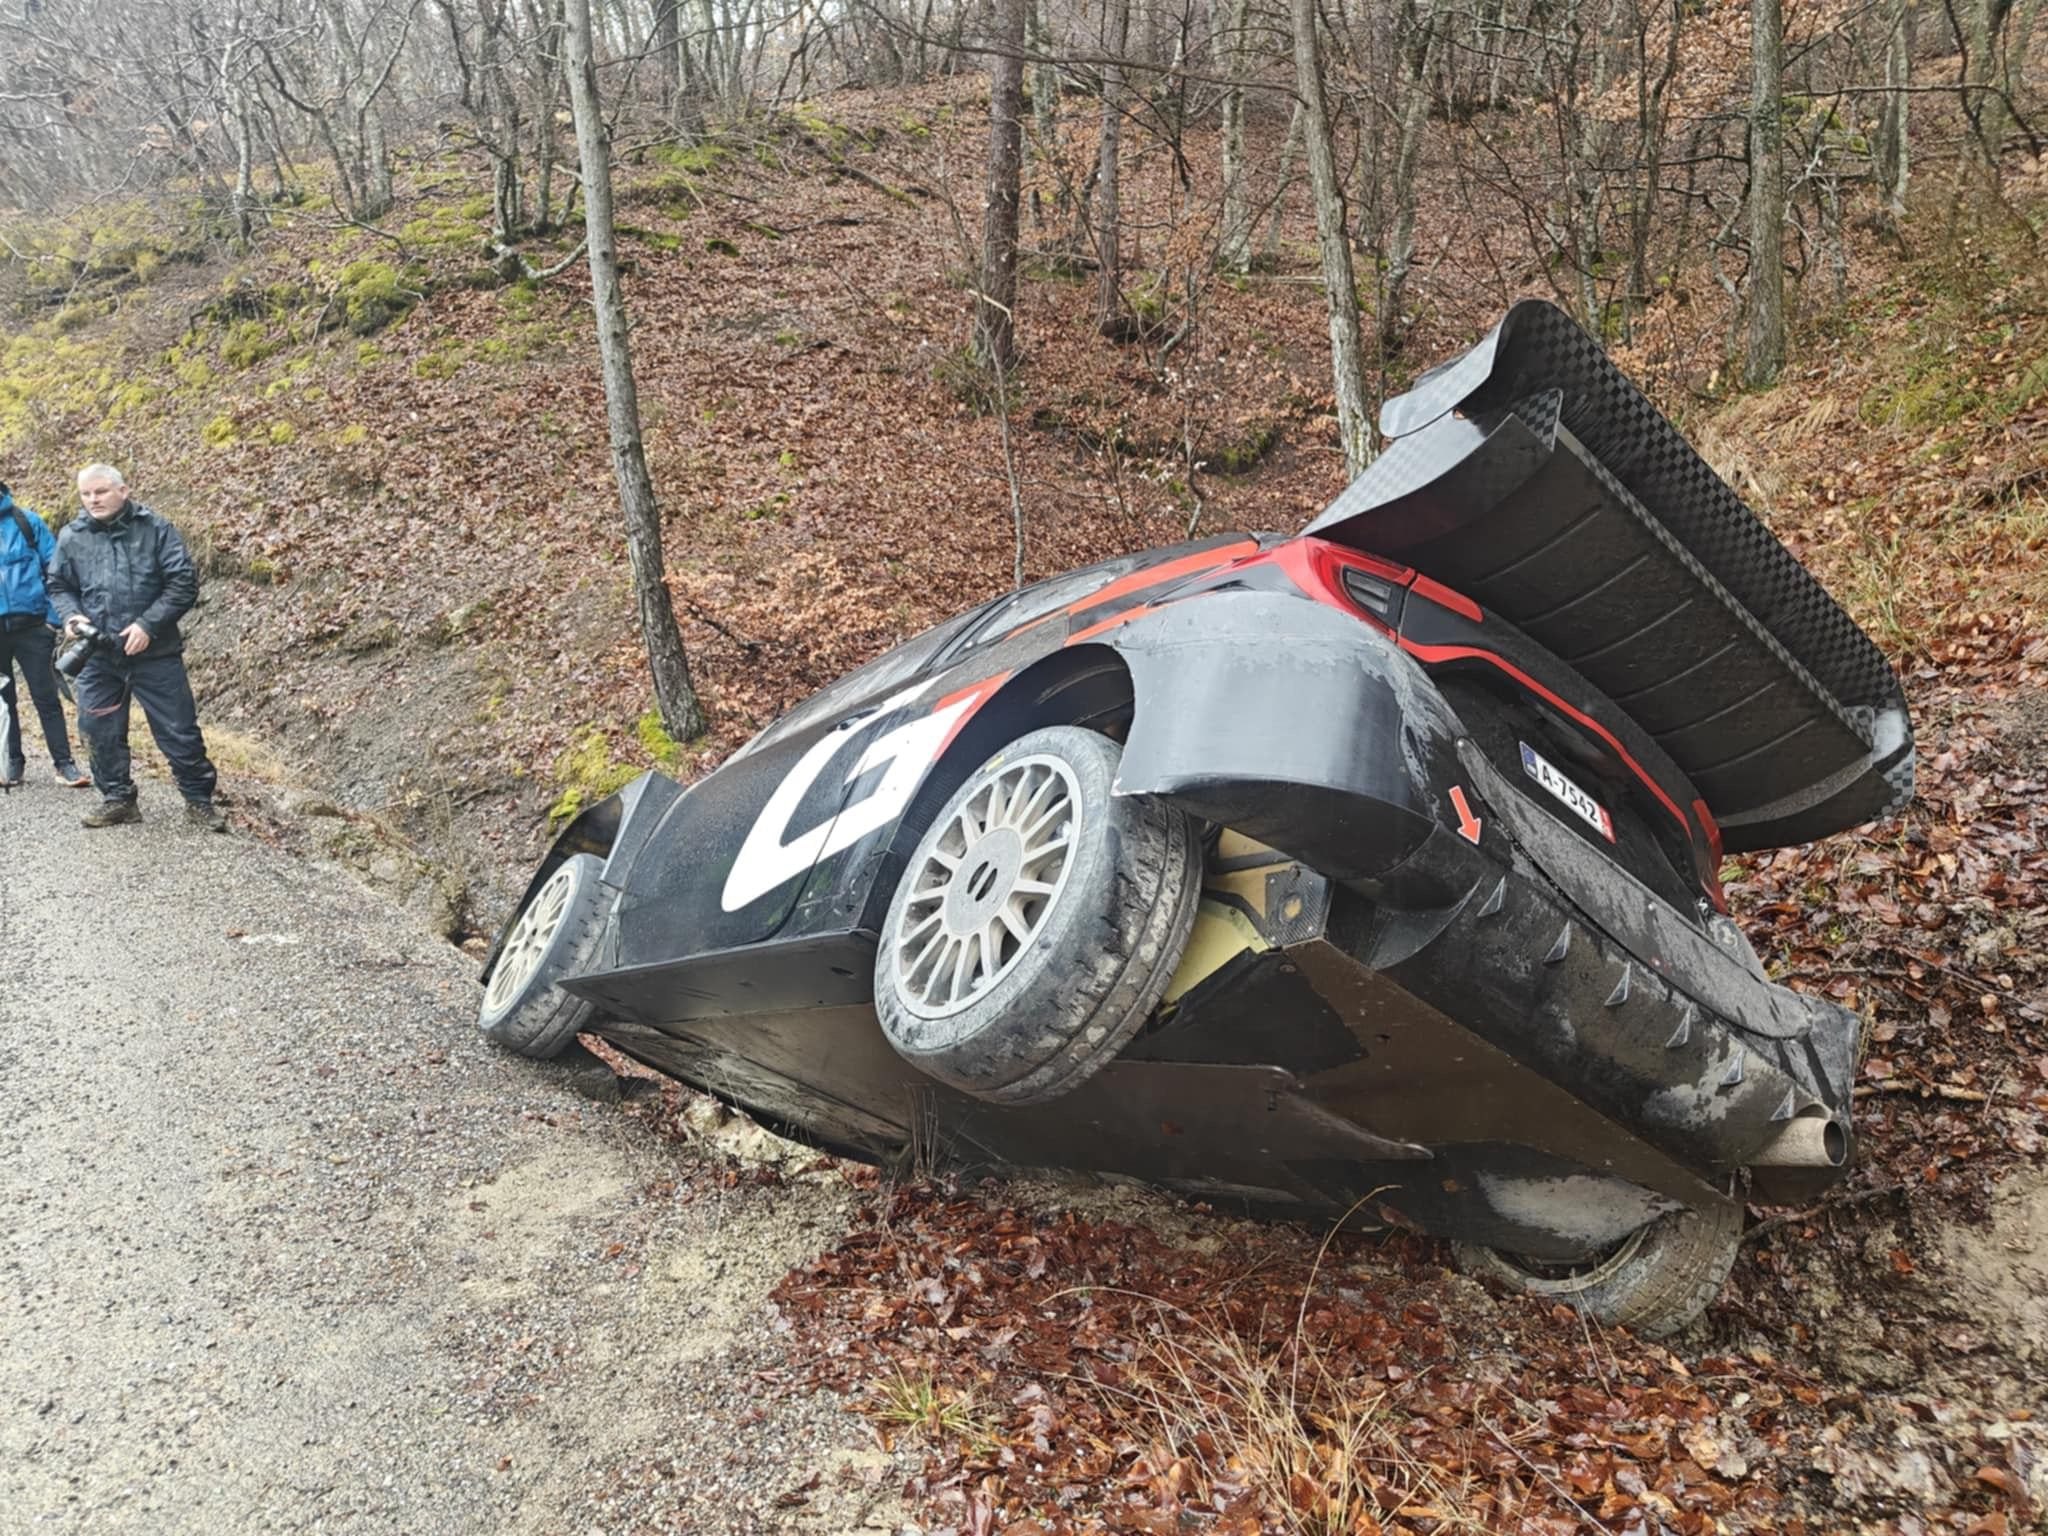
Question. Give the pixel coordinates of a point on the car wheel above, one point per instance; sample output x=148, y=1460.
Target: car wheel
x=1654, y=1281
x=556, y=935
x=1037, y=923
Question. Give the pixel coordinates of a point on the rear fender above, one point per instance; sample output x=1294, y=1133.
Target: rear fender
x=1297, y=725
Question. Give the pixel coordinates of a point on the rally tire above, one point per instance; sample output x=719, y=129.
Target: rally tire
x=557, y=934
x=1097, y=955
x=1658, y=1281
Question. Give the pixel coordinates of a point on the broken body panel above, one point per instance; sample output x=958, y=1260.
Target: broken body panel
x=1460, y=961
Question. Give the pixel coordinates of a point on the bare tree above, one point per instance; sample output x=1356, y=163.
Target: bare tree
x=1890, y=149
x=1340, y=287
x=1417, y=55
x=1109, y=288
x=1234, y=241
x=995, y=332
x=1764, y=351
x=674, y=694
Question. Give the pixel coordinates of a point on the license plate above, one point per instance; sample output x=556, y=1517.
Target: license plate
x=1574, y=799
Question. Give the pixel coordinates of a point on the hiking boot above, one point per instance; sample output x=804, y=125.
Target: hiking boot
x=204, y=813
x=11, y=775
x=111, y=813
x=70, y=777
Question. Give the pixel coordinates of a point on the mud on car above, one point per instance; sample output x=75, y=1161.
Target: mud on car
x=1370, y=873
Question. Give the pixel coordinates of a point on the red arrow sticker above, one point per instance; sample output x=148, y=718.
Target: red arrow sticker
x=1468, y=824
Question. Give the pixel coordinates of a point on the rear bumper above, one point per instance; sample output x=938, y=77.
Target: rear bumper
x=1525, y=995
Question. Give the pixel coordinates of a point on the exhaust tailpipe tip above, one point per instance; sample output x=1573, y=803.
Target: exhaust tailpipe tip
x=1811, y=1141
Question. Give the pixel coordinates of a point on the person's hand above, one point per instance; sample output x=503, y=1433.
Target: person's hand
x=75, y=625
x=134, y=640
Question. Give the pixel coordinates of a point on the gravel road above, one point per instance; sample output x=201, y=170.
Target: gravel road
x=287, y=1248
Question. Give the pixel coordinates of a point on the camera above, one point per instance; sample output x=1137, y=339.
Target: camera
x=86, y=640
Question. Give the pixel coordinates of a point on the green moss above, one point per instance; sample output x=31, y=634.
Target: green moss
x=787, y=338
x=2016, y=397
x=586, y=773
x=696, y=159
x=1243, y=453
x=662, y=749
x=352, y=435
x=368, y=354
x=1925, y=397
x=219, y=432
x=447, y=227
x=652, y=237
x=374, y=295
x=193, y=372
x=476, y=209
x=283, y=433
x=263, y=571
x=807, y=117
x=721, y=247
x=131, y=397
x=440, y=363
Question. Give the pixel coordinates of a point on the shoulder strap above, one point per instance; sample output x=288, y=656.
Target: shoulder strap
x=28, y=537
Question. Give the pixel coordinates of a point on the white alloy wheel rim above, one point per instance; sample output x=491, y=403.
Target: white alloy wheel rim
x=529, y=940
x=986, y=885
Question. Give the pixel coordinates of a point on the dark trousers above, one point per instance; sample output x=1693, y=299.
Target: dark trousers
x=31, y=648
x=159, y=685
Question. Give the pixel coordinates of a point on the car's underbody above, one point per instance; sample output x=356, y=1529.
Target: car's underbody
x=1371, y=874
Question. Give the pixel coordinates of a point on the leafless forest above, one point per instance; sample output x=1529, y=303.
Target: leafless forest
x=1609, y=150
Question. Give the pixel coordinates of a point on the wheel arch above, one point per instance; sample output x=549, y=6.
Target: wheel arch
x=614, y=829
x=1085, y=685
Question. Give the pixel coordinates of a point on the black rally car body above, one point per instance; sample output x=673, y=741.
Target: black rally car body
x=1469, y=751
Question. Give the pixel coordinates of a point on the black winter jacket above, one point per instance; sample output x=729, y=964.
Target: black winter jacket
x=131, y=569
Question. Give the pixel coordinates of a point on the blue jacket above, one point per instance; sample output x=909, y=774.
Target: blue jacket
x=22, y=563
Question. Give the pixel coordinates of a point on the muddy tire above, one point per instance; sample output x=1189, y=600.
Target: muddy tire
x=1660, y=1278
x=1037, y=922
x=556, y=934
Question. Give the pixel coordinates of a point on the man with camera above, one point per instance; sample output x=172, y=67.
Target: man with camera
x=26, y=619
x=121, y=579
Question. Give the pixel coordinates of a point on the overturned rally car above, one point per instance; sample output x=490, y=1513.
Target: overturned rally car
x=1370, y=873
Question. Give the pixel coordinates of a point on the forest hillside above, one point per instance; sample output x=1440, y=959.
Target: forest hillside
x=385, y=431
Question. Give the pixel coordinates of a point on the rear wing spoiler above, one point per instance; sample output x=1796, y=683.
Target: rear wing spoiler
x=1531, y=475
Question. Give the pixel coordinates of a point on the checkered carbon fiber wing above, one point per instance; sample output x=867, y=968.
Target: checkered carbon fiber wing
x=1531, y=474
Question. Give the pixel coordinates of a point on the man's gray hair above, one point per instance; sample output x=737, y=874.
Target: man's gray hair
x=105, y=472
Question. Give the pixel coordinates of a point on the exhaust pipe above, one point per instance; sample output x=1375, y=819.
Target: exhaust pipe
x=1808, y=1142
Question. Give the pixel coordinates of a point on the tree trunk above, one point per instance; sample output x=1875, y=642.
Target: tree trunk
x=1417, y=54
x=1764, y=354
x=1234, y=241
x=1045, y=110
x=1340, y=288
x=377, y=192
x=667, y=67
x=1984, y=84
x=1834, y=247
x=1652, y=121
x=1109, y=290
x=1890, y=151
x=2024, y=16
x=1289, y=148
x=674, y=695
x=995, y=331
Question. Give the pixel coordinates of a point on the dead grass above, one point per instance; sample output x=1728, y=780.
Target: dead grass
x=1291, y=1429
